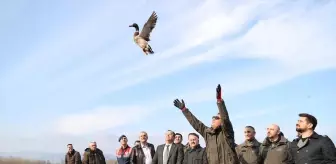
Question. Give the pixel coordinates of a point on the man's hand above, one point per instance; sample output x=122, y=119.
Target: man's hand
x=179, y=104
x=219, y=92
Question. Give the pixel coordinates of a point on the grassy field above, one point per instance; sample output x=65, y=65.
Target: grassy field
x=24, y=161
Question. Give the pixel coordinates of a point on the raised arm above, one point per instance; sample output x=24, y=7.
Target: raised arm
x=194, y=122
x=226, y=123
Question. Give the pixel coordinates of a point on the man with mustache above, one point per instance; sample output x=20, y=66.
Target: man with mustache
x=219, y=138
x=195, y=153
x=311, y=147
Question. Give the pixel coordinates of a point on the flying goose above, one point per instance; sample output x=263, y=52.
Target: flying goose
x=142, y=38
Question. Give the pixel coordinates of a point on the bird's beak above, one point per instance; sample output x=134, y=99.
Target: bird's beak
x=130, y=26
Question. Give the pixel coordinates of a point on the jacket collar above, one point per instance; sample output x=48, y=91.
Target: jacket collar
x=253, y=143
x=281, y=140
x=197, y=148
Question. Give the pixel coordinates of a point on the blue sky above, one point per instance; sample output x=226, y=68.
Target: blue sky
x=70, y=72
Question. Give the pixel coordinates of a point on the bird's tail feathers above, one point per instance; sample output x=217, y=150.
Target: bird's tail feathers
x=150, y=50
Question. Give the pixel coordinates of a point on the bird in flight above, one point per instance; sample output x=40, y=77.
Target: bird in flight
x=142, y=38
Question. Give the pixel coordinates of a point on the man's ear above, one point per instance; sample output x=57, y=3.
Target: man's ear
x=310, y=125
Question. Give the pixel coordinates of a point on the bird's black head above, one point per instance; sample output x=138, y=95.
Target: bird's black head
x=135, y=26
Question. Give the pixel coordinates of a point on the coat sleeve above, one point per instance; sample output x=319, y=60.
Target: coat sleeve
x=103, y=157
x=261, y=156
x=290, y=159
x=226, y=123
x=155, y=158
x=180, y=155
x=85, y=158
x=66, y=159
x=195, y=123
x=185, y=158
x=237, y=148
x=328, y=150
x=78, y=158
x=152, y=150
x=133, y=156
x=205, y=158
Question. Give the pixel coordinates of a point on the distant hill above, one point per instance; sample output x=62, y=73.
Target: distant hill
x=14, y=160
x=36, y=156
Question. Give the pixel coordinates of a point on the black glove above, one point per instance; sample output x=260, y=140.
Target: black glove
x=219, y=92
x=179, y=104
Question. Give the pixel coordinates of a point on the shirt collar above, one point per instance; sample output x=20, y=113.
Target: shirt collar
x=144, y=145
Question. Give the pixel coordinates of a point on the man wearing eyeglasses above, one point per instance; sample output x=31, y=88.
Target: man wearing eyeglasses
x=219, y=138
x=248, y=151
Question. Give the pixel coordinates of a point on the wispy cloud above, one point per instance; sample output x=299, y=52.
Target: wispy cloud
x=102, y=118
x=288, y=39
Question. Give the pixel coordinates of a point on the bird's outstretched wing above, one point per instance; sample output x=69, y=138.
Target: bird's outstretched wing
x=149, y=26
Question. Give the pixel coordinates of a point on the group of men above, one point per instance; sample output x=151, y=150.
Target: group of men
x=308, y=148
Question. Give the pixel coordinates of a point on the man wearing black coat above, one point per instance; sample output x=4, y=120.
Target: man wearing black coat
x=195, y=153
x=311, y=147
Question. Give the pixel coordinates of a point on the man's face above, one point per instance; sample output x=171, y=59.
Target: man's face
x=169, y=136
x=143, y=137
x=249, y=134
x=193, y=141
x=216, y=121
x=178, y=139
x=303, y=125
x=93, y=146
x=123, y=141
x=70, y=148
x=137, y=143
x=272, y=131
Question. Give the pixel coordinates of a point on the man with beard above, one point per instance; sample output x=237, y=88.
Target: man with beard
x=93, y=155
x=195, y=153
x=275, y=149
x=72, y=156
x=248, y=152
x=219, y=138
x=311, y=147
